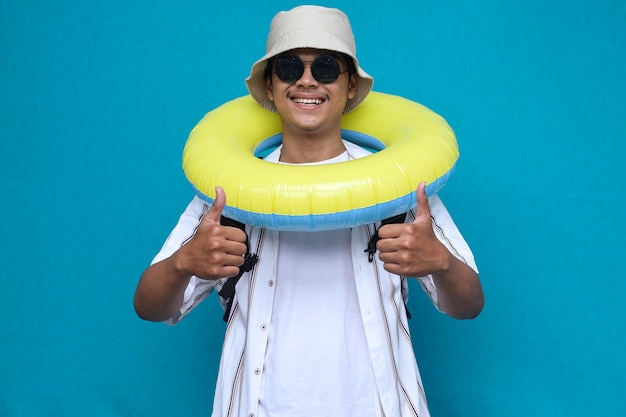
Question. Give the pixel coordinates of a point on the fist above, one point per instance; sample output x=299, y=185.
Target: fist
x=412, y=249
x=215, y=251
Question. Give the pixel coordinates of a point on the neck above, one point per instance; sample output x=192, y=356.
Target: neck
x=306, y=149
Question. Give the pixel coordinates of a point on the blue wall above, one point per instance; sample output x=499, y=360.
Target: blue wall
x=97, y=99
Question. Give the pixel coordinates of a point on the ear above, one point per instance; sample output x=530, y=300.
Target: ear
x=268, y=88
x=352, y=86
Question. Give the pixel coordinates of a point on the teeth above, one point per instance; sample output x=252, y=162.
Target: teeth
x=308, y=101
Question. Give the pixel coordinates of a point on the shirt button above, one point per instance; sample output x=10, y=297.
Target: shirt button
x=263, y=327
x=270, y=283
x=251, y=415
x=257, y=371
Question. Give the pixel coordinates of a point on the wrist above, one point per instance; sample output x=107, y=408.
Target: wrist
x=179, y=266
x=444, y=260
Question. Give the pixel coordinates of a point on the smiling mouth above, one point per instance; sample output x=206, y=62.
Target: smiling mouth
x=308, y=101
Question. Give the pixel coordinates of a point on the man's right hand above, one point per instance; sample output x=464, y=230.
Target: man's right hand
x=215, y=251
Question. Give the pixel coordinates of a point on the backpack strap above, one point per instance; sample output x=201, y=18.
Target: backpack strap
x=371, y=245
x=249, y=260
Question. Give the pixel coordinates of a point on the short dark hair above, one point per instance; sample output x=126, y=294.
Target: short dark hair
x=350, y=63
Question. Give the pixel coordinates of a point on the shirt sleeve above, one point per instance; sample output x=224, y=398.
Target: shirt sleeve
x=198, y=289
x=448, y=234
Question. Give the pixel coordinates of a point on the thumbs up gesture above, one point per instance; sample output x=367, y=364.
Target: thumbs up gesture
x=215, y=251
x=412, y=249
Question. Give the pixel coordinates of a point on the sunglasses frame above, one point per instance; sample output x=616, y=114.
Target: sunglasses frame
x=321, y=75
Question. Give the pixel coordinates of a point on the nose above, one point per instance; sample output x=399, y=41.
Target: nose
x=307, y=78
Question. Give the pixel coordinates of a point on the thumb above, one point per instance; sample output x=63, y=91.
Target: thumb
x=215, y=212
x=423, y=209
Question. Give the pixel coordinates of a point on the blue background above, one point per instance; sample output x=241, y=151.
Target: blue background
x=97, y=99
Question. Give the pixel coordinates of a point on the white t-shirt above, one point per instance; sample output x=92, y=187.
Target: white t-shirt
x=317, y=338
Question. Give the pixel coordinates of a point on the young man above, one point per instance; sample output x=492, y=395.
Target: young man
x=316, y=329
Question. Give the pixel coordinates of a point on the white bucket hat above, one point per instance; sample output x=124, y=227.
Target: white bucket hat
x=308, y=27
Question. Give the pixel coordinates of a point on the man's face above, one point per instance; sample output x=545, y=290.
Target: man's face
x=311, y=101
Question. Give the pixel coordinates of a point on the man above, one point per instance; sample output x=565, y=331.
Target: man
x=316, y=329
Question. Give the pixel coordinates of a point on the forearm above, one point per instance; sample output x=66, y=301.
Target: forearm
x=459, y=291
x=160, y=291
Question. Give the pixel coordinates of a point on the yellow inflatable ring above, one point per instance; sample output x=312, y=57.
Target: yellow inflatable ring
x=411, y=144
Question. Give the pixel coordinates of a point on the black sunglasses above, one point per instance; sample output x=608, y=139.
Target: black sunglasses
x=325, y=68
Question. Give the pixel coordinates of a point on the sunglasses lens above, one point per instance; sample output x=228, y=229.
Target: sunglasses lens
x=325, y=69
x=289, y=68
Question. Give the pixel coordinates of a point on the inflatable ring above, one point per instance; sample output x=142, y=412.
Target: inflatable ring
x=411, y=144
